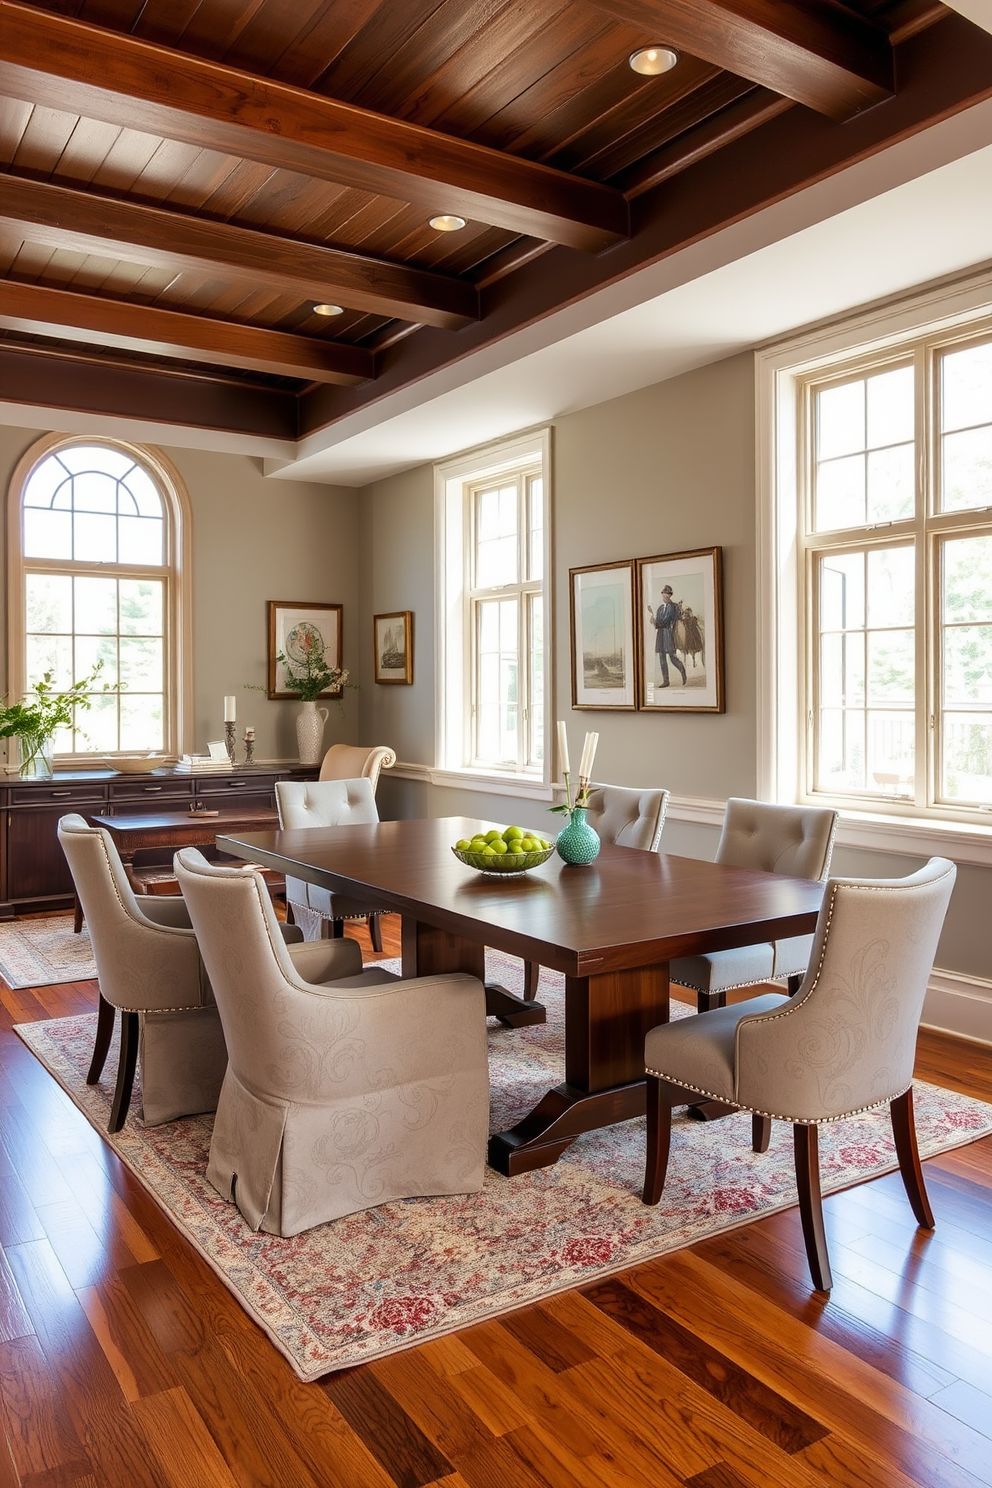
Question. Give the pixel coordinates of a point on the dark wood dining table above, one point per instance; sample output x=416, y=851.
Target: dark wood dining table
x=611, y=928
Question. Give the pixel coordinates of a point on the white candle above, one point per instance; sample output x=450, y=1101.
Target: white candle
x=584, y=761
x=593, y=745
x=229, y=710
x=563, y=746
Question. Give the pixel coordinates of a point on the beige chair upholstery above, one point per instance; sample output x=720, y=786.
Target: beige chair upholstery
x=844, y=1043
x=797, y=841
x=326, y=803
x=339, y=1095
x=149, y=967
x=623, y=815
x=356, y=762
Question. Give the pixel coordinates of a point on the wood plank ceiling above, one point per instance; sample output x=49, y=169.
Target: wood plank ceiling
x=185, y=179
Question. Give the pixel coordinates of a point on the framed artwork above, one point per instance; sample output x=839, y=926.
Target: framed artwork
x=604, y=657
x=293, y=629
x=680, y=623
x=394, y=646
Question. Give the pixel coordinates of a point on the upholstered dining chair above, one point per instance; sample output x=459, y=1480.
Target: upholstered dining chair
x=623, y=815
x=326, y=803
x=345, y=1088
x=843, y=1044
x=797, y=841
x=148, y=967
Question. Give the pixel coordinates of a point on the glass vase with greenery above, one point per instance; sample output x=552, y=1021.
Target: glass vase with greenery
x=45, y=709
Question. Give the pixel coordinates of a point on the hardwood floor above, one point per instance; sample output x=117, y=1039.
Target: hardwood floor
x=124, y=1363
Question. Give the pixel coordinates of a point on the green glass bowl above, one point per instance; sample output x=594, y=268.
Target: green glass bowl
x=504, y=863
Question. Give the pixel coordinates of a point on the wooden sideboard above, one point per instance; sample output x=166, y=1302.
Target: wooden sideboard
x=33, y=872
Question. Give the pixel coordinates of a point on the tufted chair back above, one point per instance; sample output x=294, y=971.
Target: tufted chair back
x=795, y=840
x=628, y=817
x=353, y=761
x=325, y=803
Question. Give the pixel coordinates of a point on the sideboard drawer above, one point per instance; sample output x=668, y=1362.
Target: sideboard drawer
x=240, y=784
x=152, y=790
x=81, y=793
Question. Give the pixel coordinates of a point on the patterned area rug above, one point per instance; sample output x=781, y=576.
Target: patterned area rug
x=376, y=1282
x=42, y=952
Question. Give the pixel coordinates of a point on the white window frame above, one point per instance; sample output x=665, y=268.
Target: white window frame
x=176, y=571
x=955, y=307
x=454, y=481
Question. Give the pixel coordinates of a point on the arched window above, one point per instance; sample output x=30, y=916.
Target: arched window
x=96, y=546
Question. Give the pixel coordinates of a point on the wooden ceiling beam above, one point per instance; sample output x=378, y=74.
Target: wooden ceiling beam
x=137, y=85
x=815, y=52
x=60, y=217
x=38, y=310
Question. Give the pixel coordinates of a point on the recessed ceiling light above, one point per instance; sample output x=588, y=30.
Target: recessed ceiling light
x=328, y=309
x=652, y=60
x=446, y=223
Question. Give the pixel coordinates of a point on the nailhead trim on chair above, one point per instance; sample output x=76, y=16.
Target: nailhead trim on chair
x=773, y=1115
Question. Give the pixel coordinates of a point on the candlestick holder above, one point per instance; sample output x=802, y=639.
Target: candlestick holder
x=249, y=749
x=229, y=740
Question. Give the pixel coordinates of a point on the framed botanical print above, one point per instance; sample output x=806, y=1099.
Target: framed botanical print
x=394, y=646
x=680, y=622
x=604, y=659
x=303, y=634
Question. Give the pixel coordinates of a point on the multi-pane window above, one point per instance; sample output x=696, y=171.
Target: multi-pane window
x=506, y=602
x=96, y=576
x=898, y=575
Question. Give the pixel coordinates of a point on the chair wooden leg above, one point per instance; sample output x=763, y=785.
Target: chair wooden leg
x=659, y=1141
x=794, y=983
x=375, y=931
x=811, y=1205
x=532, y=975
x=337, y=929
x=761, y=1132
x=104, y=1032
x=130, y=1037
x=904, y=1132
x=77, y=916
x=707, y=1000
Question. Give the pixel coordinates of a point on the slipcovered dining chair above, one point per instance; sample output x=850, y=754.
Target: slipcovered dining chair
x=625, y=816
x=326, y=803
x=345, y=1088
x=843, y=1044
x=149, y=967
x=797, y=841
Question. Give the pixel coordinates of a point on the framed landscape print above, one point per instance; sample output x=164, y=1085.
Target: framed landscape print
x=394, y=646
x=604, y=661
x=679, y=619
x=294, y=629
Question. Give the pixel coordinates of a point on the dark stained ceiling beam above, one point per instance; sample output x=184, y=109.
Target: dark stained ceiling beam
x=816, y=52
x=38, y=310
x=60, y=217
x=121, y=80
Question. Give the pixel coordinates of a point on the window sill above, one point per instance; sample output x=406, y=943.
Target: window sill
x=524, y=787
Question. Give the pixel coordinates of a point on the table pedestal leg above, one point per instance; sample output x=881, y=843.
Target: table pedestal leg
x=606, y=1020
x=430, y=952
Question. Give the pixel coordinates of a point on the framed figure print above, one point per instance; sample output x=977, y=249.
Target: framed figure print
x=604, y=660
x=394, y=646
x=307, y=635
x=679, y=618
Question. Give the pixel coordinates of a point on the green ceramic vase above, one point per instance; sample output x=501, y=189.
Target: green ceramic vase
x=578, y=843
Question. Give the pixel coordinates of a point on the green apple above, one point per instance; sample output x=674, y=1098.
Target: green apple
x=513, y=834
x=516, y=847
x=463, y=845
x=498, y=846
x=493, y=834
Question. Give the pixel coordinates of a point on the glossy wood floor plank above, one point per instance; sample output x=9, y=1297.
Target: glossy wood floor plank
x=125, y=1363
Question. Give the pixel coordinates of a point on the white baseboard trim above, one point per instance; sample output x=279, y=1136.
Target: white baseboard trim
x=960, y=1005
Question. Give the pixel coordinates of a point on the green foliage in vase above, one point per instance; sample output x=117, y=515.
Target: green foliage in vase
x=46, y=709
x=313, y=674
